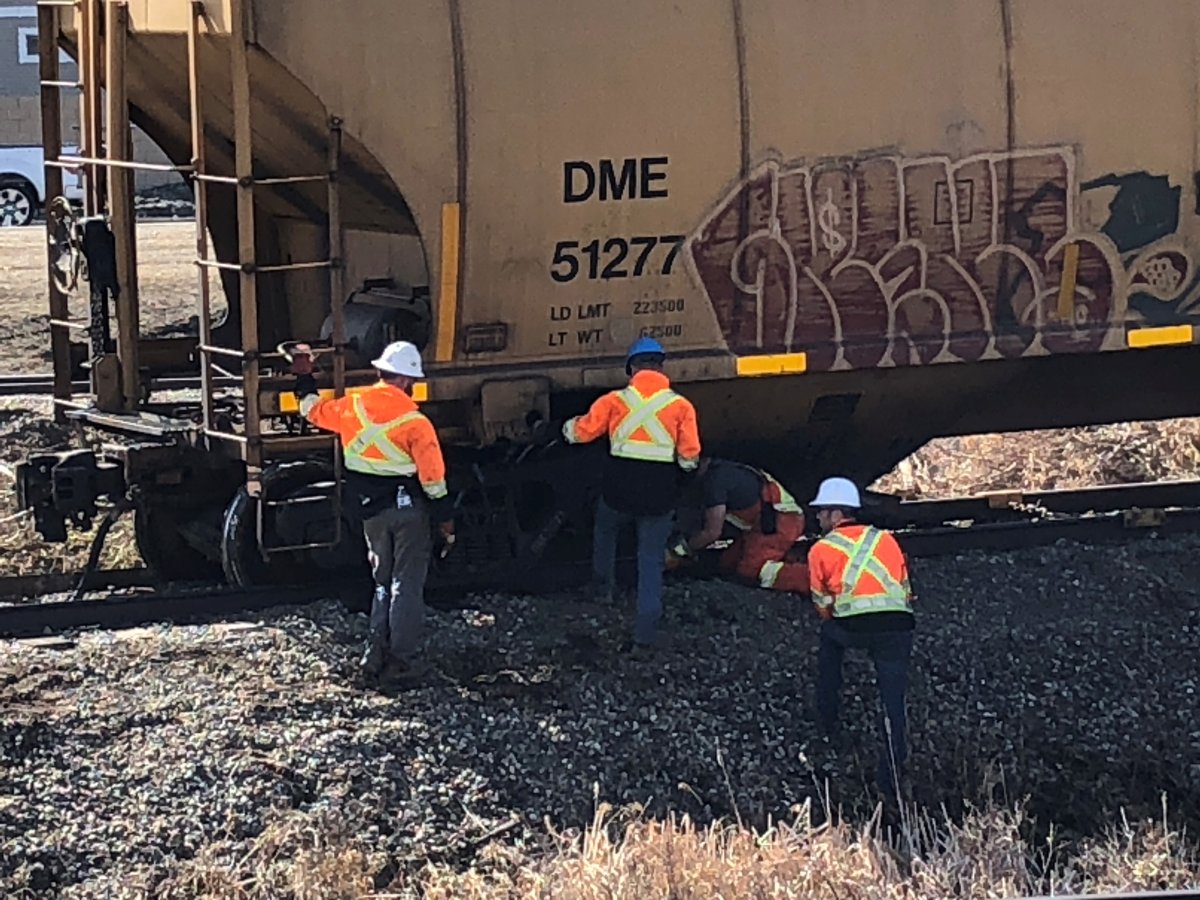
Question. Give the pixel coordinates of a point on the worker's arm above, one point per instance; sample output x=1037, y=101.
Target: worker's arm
x=687, y=437
x=714, y=522
x=819, y=582
x=593, y=424
x=422, y=445
x=904, y=579
x=327, y=413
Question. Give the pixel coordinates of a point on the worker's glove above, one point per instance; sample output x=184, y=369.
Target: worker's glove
x=300, y=364
x=678, y=553
x=299, y=357
x=446, y=538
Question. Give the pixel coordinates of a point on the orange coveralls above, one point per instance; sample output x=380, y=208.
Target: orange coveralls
x=762, y=558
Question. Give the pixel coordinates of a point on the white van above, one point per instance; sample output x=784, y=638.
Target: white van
x=23, y=184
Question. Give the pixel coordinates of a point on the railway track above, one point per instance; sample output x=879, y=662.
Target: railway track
x=996, y=522
x=42, y=385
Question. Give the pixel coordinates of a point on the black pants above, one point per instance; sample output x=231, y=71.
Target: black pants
x=399, y=543
x=890, y=652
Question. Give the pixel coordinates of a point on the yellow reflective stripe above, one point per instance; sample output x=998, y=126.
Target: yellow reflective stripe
x=307, y=402
x=737, y=523
x=859, y=605
x=861, y=560
x=787, y=503
x=769, y=574
x=824, y=601
x=643, y=413
x=378, y=466
x=644, y=452
x=867, y=542
x=435, y=490
x=372, y=434
x=889, y=584
x=840, y=543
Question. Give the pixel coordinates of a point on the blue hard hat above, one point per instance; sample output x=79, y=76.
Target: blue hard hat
x=645, y=346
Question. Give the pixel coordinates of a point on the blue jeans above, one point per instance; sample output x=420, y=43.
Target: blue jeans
x=652, y=533
x=890, y=652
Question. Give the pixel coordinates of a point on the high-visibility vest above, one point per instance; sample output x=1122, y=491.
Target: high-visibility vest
x=372, y=452
x=641, y=434
x=785, y=504
x=867, y=585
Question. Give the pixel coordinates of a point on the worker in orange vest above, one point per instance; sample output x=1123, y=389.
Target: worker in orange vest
x=766, y=519
x=652, y=434
x=396, y=480
x=861, y=590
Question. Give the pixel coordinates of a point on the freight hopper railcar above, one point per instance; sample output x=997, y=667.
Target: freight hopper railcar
x=855, y=226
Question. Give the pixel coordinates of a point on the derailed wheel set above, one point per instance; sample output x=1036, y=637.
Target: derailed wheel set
x=824, y=313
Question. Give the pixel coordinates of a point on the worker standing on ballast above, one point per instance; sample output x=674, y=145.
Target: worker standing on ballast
x=860, y=587
x=396, y=484
x=766, y=518
x=652, y=434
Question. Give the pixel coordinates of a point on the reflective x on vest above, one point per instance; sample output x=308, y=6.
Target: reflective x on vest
x=785, y=504
x=658, y=445
x=389, y=459
x=861, y=560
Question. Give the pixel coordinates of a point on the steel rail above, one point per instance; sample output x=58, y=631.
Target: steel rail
x=448, y=583
x=34, y=385
x=1010, y=506
x=1169, y=894
x=181, y=604
x=1108, y=527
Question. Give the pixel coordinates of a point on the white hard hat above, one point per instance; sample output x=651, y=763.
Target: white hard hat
x=400, y=358
x=840, y=492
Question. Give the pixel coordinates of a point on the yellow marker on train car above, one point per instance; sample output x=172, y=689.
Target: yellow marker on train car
x=1162, y=336
x=289, y=404
x=773, y=364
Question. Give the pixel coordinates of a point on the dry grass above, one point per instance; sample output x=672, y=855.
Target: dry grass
x=985, y=855
x=26, y=428
x=1044, y=460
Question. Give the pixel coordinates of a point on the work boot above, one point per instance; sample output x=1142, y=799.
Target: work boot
x=372, y=660
x=400, y=674
x=640, y=651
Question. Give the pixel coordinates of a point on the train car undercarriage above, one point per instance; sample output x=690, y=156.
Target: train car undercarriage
x=229, y=481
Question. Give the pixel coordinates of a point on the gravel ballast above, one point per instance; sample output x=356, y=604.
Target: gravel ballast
x=1067, y=674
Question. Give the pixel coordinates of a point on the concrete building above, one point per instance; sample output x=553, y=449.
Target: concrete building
x=20, y=103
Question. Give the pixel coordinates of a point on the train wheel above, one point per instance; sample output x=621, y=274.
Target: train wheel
x=178, y=545
x=299, y=512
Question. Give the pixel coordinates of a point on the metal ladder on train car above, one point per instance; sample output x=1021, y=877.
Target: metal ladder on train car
x=255, y=447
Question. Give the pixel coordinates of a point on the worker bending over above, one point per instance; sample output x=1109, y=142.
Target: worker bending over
x=766, y=518
x=861, y=590
x=396, y=483
x=652, y=434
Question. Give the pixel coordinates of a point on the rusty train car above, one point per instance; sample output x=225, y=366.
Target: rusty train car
x=856, y=225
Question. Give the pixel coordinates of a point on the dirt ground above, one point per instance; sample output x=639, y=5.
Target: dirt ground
x=167, y=281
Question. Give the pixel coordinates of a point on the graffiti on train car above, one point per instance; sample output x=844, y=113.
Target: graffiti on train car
x=887, y=260
x=1163, y=281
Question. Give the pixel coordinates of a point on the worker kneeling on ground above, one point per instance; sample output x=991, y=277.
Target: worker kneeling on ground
x=861, y=590
x=396, y=483
x=652, y=434
x=767, y=519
